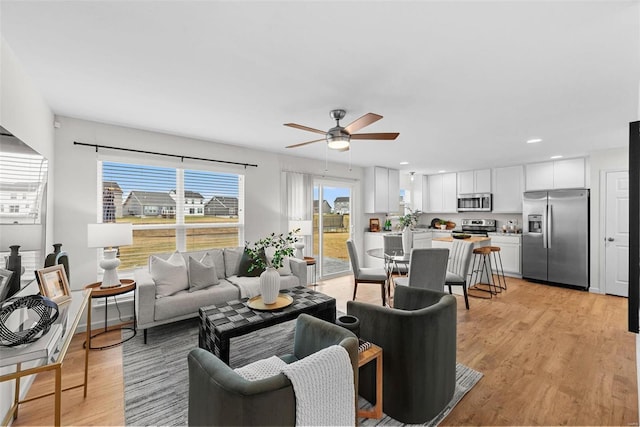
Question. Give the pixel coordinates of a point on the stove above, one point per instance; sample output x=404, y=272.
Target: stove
x=478, y=226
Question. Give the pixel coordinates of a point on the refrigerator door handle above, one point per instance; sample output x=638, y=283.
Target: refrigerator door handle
x=544, y=227
x=549, y=227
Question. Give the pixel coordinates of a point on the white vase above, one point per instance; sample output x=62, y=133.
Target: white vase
x=269, y=285
x=407, y=240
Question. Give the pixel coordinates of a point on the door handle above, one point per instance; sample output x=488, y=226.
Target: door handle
x=610, y=239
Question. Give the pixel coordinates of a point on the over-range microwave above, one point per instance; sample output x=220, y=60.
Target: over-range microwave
x=475, y=202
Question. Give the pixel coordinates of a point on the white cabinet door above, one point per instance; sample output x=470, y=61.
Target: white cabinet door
x=508, y=189
x=381, y=192
x=372, y=241
x=466, y=182
x=393, y=192
x=568, y=173
x=434, y=193
x=449, y=194
x=539, y=176
x=482, y=181
x=510, y=252
x=422, y=240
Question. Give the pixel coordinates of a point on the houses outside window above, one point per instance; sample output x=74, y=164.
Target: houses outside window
x=160, y=202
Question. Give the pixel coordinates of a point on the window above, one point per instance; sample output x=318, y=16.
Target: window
x=14, y=208
x=160, y=201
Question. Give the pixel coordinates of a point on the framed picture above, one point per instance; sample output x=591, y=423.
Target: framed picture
x=53, y=283
x=5, y=278
x=374, y=224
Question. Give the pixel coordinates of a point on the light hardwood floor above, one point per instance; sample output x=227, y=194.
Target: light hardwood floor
x=549, y=356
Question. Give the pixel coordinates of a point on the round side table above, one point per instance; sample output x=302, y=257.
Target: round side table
x=312, y=262
x=127, y=285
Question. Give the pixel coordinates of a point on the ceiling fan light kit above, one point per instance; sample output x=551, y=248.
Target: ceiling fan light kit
x=339, y=138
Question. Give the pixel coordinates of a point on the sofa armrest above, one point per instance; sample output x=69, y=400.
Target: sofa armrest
x=299, y=269
x=146, y=298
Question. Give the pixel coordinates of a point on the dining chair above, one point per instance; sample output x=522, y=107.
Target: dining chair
x=392, y=244
x=458, y=268
x=427, y=269
x=366, y=275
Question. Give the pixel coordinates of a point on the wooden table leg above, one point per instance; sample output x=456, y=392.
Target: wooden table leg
x=86, y=349
x=16, y=396
x=58, y=393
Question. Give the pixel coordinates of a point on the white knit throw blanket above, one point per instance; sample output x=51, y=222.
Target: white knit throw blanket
x=323, y=385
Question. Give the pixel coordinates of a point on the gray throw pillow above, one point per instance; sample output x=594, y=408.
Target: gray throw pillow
x=170, y=276
x=232, y=260
x=245, y=265
x=202, y=274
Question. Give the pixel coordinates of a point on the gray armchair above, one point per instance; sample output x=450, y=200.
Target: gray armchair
x=418, y=338
x=219, y=396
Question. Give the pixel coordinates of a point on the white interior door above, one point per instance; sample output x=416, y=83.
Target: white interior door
x=617, y=234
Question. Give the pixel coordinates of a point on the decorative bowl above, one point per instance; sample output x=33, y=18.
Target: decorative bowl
x=461, y=236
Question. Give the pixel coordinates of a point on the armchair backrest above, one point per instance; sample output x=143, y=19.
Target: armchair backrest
x=353, y=256
x=428, y=268
x=461, y=253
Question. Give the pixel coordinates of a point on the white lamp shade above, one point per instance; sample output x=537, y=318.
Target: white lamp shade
x=109, y=234
x=305, y=226
x=28, y=236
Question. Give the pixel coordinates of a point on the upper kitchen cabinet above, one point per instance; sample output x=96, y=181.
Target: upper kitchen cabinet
x=477, y=181
x=382, y=190
x=508, y=186
x=568, y=173
x=441, y=194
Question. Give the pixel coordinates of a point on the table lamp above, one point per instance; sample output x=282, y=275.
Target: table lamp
x=305, y=228
x=109, y=235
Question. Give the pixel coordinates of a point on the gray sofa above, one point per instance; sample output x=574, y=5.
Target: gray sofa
x=154, y=310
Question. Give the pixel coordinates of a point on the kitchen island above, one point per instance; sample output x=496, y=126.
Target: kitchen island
x=447, y=242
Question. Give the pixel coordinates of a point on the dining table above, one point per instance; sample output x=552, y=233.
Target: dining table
x=391, y=262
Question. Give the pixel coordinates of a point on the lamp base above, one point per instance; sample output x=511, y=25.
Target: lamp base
x=299, y=247
x=110, y=263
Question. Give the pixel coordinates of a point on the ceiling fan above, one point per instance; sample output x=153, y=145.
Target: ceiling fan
x=338, y=137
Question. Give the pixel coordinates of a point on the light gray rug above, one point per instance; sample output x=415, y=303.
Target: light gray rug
x=156, y=374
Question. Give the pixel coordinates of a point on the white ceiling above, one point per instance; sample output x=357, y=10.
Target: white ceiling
x=465, y=83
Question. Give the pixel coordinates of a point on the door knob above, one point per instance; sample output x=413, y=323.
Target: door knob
x=610, y=239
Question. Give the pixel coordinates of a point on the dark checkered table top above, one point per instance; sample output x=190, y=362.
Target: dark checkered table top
x=235, y=314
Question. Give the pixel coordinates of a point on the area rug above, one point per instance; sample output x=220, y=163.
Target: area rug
x=156, y=374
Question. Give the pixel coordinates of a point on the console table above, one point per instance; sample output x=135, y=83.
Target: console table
x=221, y=322
x=69, y=318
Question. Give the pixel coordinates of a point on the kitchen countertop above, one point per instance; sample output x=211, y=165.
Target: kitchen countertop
x=470, y=239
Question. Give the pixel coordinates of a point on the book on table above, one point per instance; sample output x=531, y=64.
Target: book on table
x=45, y=347
x=363, y=345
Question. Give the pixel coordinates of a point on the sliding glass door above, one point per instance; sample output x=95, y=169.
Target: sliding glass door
x=331, y=226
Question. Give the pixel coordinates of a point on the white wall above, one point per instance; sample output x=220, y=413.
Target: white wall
x=76, y=181
x=601, y=161
x=24, y=113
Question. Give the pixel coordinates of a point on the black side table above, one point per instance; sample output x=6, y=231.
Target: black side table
x=127, y=285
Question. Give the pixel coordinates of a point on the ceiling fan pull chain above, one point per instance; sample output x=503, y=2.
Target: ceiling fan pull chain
x=350, y=160
x=326, y=158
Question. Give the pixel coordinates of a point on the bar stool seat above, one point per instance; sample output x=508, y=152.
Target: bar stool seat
x=482, y=269
x=499, y=270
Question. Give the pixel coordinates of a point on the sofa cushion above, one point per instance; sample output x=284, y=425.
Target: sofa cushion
x=244, y=267
x=285, y=270
x=232, y=260
x=217, y=254
x=202, y=274
x=185, y=302
x=170, y=276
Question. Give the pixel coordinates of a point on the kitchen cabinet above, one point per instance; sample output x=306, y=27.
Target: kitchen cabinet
x=508, y=186
x=510, y=252
x=422, y=239
x=476, y=181
x=382, y=190
x=372, y=241
x=441, y=194
x=569, y=173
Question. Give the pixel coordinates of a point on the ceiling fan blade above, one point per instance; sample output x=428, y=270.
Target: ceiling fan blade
x=363, y=121
x=305, y=143
x=374, y=136
x=297, y=126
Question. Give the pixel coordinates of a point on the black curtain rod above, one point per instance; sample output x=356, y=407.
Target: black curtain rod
x=96, y=146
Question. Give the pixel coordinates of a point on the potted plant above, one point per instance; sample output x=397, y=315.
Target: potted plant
x=407, y=222
x=443, y=224
x=282, y=246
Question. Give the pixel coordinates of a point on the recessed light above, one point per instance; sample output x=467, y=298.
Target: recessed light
x=533, y=140
x=442, y=171
x=556, y=157
x=404, y=163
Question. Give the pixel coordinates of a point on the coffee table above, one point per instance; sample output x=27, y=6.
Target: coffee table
x=221, y=322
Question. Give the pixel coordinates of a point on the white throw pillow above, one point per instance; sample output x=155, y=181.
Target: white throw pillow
x=202, y=274
x=170, y=276
x=285, y=270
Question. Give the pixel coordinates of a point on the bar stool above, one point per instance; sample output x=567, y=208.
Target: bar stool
x=481, y=268
x=502, y=280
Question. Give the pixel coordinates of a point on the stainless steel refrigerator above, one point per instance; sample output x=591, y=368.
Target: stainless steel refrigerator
x=555, y=241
